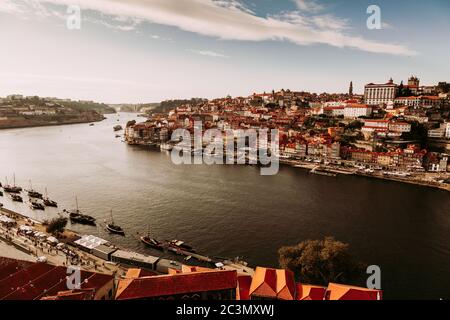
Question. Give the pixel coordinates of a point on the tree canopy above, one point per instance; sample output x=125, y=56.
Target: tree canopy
x=320, y=261
x=56, y=225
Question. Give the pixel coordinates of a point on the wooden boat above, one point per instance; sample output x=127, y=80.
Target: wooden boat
x=13, y=188
x=33, y=193
x=16, y=198
x=77, y=217
x=176, y=245
x=113, y=228
x=151, y=242
x=37, y=206
x=48, y=202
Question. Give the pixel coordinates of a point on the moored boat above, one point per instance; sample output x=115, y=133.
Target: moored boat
x=16, y=198
x=76, y=216
x=33, y=193
x=114, y=228
x=48, y=202
x=37, y=206
x=151, y=242
x=175, y=245
x=12, y=189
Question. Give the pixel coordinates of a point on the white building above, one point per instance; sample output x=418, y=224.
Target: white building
x=379, y=126
x=375, y=94
x=356, y=110
x=419, y=101
x=402, y=127
x=334, y=111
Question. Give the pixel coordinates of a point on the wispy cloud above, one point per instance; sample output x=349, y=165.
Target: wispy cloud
x=230, y=20
x=8, y=6
x=386, y=25
x=209, y=53
x=309, y=5
x=122, y=26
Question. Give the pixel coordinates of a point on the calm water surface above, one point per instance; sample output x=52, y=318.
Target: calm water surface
x=231, y=210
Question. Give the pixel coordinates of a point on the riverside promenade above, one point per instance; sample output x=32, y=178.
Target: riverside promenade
x=17, y=246
x=426, y=179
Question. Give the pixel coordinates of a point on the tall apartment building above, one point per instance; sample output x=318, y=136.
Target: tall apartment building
x=375, y=94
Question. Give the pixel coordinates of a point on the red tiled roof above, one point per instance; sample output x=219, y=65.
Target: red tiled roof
x=344, y=292
x=28, y=280
x=272, y=283
x=9, y=266
x=38, y=287
x=167, y=285
x=96, y=280
x=20, y=278
x=244, y=282
x=308, y=292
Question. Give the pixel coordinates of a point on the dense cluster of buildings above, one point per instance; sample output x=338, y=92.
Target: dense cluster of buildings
x=24, y=280
x=391, y=126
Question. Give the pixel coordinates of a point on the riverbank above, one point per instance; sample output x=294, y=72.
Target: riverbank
x=31, y=123
x=426, y=179
x=20, y=247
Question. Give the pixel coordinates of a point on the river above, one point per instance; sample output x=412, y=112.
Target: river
x=232, y=210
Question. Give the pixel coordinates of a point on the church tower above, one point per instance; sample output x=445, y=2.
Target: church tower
x=350, y=90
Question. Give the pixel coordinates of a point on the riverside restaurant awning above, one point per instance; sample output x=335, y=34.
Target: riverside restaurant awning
x=52, y=240
x=25, y=228
x=89, y=242
x=6, y=220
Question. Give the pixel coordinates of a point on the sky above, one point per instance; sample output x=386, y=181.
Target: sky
x=140, y=51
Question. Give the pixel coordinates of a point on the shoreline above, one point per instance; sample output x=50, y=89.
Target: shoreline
x=25, y=248
x=49, y=124
x=345, y=171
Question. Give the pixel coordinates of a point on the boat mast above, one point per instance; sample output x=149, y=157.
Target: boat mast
x=112, y=220
x=76, y=203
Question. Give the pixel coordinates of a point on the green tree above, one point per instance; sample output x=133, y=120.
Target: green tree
x=320, y=261
x=355, y=124
x=56, y=225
